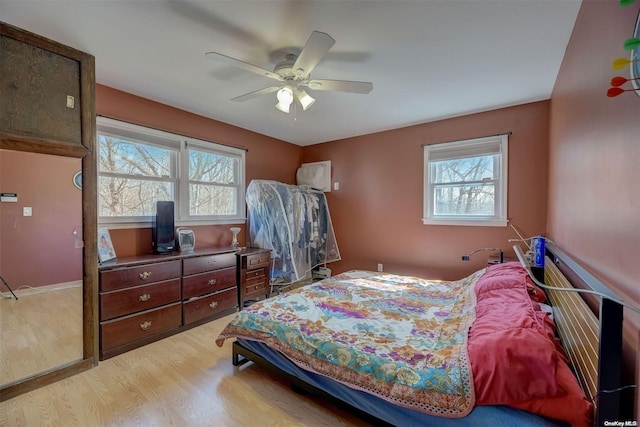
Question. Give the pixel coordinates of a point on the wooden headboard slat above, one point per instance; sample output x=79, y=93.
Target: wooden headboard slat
x=578, y=329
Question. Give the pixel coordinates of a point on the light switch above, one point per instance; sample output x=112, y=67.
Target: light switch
x=336, y=185
x=27, y=211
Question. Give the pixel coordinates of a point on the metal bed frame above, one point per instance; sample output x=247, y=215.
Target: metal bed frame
x=595, y=352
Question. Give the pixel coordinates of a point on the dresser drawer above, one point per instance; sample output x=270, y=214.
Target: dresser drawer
x=258, y=274
x=254, y=287
x=139, y=298
x=259, y=260
x=202, y=264
x=206, y=283
x=139, y=275
x=130, y=328
x=209, y=305
x=254, y=296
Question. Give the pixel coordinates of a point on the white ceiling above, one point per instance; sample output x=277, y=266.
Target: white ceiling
x=428, y=59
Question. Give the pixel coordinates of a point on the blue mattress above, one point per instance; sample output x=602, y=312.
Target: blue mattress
x=493, y=416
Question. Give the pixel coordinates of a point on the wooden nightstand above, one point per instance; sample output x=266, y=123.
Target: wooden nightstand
x=253, y=275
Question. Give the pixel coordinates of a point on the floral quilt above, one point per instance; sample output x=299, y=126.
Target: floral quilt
x=401, y=338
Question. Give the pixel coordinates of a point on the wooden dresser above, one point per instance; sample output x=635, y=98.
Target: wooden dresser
x=146, y=298
x=253, y=275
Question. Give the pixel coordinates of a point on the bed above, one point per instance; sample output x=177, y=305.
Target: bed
x=408, y=351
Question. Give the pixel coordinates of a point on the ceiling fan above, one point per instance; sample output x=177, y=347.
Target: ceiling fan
x=294, y=75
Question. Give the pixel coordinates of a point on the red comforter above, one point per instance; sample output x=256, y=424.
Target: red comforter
x=515, y=357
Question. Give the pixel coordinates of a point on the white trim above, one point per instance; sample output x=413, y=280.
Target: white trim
x=471, y=223
x=179, y=144
x=490, y=145
x=119, y=129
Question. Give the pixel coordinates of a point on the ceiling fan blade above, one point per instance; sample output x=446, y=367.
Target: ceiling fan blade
x=255, y=93
x=244, y=65
x=340, y=86
x=316, y=48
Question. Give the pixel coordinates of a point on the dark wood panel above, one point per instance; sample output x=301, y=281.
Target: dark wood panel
x=134, y=260
x=14, y=142
x=252, y=297
x=139, y=275
x=208, y=282
x=44, y=378
x=210, y=305
x=139, y=298
x=139, y=326
x=255, y=286
x=261, y=274
x=258, y=260
x=253, y=258
x=200, y=264
x=40, y=92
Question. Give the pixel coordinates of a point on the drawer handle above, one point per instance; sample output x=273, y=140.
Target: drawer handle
x=146, y=325
x=212, y=281
x=211, y=261
x=213, y=305
x=144, y=297
x=145, y=275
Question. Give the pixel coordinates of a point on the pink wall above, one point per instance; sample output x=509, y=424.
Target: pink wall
x=377, y=213
x=267, y=158
x=373, y=193
x=39, y=249
x=594, y=172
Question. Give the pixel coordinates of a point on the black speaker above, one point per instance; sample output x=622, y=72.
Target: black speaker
x=162, y=233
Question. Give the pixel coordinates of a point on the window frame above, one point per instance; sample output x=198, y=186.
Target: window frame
x=451, y=151
x=179, y=145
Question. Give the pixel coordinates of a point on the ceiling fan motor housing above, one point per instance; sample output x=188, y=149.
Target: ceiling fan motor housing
x=285, y=68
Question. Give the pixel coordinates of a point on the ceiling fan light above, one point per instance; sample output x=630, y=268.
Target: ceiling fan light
x=305, y=99
x=283, y=107
x=285, y=96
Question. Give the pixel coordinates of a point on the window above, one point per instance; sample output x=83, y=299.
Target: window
x=138, y=166
x=465, y=182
